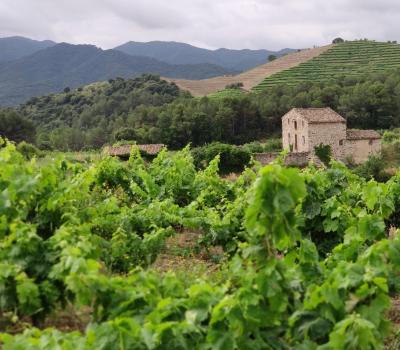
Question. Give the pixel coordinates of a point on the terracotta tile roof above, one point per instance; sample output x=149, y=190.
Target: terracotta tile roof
x=319, y=115
x=353, y=134
x=125, y=150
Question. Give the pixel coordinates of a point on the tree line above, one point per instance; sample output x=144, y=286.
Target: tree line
x=150, y=110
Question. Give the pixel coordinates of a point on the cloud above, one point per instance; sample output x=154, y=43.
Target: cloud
x=271, y=24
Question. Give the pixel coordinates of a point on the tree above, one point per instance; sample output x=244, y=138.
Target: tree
x=272, y=58
x=125, y=134
x=337, y=41
x=15, y=128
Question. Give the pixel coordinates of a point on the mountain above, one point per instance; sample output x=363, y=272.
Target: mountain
x=54, y=68
x=15, y=47
x=181, y=53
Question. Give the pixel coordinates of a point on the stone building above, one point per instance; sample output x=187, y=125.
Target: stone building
x=305, y=128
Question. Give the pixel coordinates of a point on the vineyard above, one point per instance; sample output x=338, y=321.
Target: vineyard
x=226, y=93
x=312, y=257
x=348, y=59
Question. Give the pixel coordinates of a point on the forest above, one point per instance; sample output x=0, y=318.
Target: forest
x=150, y=110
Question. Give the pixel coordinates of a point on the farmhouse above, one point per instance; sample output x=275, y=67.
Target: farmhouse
x=305, y=128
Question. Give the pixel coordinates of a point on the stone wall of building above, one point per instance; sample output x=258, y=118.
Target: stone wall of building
x=294, y=127
x=333, y=134
x=359, y=150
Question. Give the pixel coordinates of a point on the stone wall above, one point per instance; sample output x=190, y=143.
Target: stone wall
x=360, y=150
x=333, y=134
x=294, y=126
x=292, y=159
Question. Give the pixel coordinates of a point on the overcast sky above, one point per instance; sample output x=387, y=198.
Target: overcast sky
x=269, y=24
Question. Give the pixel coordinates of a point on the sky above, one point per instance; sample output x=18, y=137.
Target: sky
x=237, y=24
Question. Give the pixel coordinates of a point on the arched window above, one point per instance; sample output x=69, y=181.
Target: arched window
x=295, y=125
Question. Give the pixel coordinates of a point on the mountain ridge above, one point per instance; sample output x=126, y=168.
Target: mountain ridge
x=183, y=53
x=15, y=47
x=56, y=67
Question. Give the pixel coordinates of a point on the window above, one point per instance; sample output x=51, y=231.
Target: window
x=304, y=140
x=295, y=142
x=341, y=143
x=302, y=123
x=295, y=125
x=371, y=142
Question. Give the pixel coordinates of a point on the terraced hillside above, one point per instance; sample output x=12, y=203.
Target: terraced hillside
x=351, y=58
x=250, y=78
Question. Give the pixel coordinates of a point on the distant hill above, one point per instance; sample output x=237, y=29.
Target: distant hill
x=54, y=68
x=181, y=53
x=252, y=77
x=350, y=59
x=13, y=48
x=100, y=101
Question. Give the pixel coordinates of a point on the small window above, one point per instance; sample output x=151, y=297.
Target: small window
x=302, y=123
x=371, y=142
x=295, y=125
x=304, y=140
x=341, y=143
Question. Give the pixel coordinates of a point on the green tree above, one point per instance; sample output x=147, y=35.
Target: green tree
x=272, y=58
x=16, y=128
x=125, y=134
x=337, y=41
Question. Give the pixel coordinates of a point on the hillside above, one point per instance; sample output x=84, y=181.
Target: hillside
x=348, y=59
x=54, y=68
x=181, y=53
x=251, y=77
x=15, y=47
x=90, y=105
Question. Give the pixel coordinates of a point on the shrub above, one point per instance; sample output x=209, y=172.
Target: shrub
x=374, y=168
x=234, y=86
x=28, y=150
x=253, y=147
x=273, y=145
x=232, y=158
x=324, y=153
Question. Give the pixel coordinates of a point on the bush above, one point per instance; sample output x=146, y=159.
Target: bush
x=232, y=158
x=374, y=168
x=238, y=85
x=324, y=153
x=253, y=147
x=273, y=145
x=28, y=150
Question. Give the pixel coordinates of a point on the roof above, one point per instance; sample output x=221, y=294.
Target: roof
x=353, y=134
x=319, y=115
x=151, y=149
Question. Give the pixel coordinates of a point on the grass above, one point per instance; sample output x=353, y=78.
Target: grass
x=349, y=59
